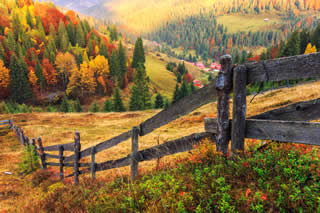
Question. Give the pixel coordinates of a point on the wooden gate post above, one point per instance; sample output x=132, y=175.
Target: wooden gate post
x=77, y=148
x=61, y=149
x=224, y=87
x=93, y=163
x=239, y=108
x=42, y=155
x=134, y=151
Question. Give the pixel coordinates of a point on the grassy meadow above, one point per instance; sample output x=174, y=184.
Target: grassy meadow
x=58, y=128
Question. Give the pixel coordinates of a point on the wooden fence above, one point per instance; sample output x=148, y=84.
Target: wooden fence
x=288, y=124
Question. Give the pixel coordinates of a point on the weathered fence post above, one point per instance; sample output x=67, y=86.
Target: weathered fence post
x=93, y=163
x=61, y=149
x=239, y=108
x=224, y=87
x=134, y=151
x=77, y=148
x=10, y=124
x=21, y=135
x=42, y=155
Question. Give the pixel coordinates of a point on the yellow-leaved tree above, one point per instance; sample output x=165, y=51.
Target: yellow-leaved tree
x=32, y=78
x=100, y=68
x=4, y=80
x=87, y=81
x=65, y=63
x=310, y=49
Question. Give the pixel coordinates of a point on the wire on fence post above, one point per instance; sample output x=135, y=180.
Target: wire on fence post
x=61, y=149
x=77, y=148
x=42, y=154
x=93, y=164
x=134, y=152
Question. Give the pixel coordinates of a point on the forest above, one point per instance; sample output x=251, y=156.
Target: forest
x=210, y=39
x=44, y=52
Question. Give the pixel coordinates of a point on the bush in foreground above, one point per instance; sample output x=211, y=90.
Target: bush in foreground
x=280, y=178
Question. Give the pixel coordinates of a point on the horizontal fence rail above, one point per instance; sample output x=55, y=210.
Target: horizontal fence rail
x=302, y=111
x=288, y=68
x=283, y=131
x=169, y=148
x=66, y=147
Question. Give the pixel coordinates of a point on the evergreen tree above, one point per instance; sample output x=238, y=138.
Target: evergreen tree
x=118, y=105
x=184, y=90
x=11, y=41
x=95, y=107
x=2, y=54
x=19, y=84
x=107, y=106
x=64, y=107
x=159, y=104
x=104, y=50
x=140, y=95
x=166, y=104
x=71, y=33
x=316, y=37
x=176, y=94
x=115, y=65
x=79, y=37
x=122, y=59
x=39, y=74
x=138, y=54
x=113, y=33
x=77, y=106
x=292, y=46
x=29, y=18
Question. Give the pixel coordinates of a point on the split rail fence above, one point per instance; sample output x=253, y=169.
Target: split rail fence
x=287, y=124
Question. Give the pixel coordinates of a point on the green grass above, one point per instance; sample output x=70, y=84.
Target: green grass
x=161, y=79
x=245, y=23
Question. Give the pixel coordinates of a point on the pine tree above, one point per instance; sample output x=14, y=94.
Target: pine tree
x=95, y=107
x=64, y=107
x=79, y=37
x=113, y=33
x=166, y=104
x=19, y=85
x=184, y=90
x=107, y=106
x=159, y=104
x=115, y=65
x=138, y=54
x=29, y=18
x=104, y=50
x=176, y=94
x=140, y=95
x=39, y=74
x=122, y=59
x=118, y=105
x=77, y=106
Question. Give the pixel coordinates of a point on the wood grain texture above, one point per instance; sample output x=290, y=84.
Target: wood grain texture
x=224, y=88
x=61, y=161
x=93, y=163
x=288, y=68
x=283, y=131
x=77, y=148
x=47, y=156
x=102, y=146
x=134, y=150
x=302, y=111
x=180, y=108
x=239, y=108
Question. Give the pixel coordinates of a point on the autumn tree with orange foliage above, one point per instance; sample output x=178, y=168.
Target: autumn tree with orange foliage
x=4, y=80
x=49, y=73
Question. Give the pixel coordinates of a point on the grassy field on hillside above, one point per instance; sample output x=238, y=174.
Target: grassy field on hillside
x=59, y=128
x=245, y=23
x=162, y=80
